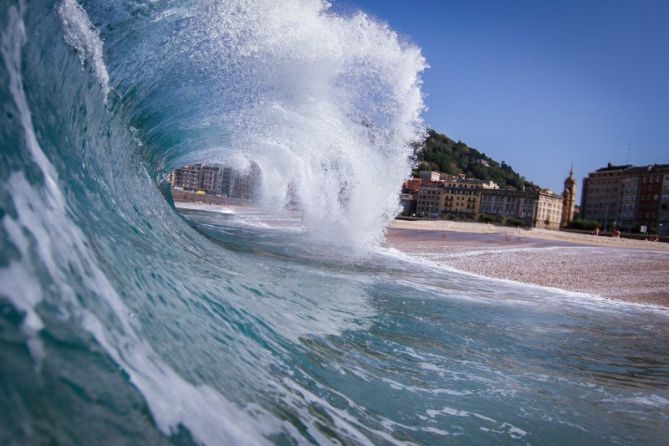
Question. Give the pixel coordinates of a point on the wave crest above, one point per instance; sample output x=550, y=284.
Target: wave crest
x=326, y=105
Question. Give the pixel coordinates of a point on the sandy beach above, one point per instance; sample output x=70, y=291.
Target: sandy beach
x=621, y=269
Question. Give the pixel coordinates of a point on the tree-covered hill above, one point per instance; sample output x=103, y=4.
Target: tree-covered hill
x=441, y=153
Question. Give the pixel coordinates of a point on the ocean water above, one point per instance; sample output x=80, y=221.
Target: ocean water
x=125, y=321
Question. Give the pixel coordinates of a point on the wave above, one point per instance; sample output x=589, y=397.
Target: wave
x=120, y=320
x=83, y=221
x=327, y=106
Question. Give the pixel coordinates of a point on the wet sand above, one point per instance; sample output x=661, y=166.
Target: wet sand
x=621, y=269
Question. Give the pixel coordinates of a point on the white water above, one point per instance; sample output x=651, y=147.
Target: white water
x=324, y=103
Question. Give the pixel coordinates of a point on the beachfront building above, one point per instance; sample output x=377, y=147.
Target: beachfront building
x=428, y=201
x=531, y=208
x=187, y=177
x=628, y=197
x=244, y=184
x=663, y=221
x=210, y=179
x=568, y=199
x=629, y=201
x=601, y=196
x=549, y=210
x=460, y=198
x=506, y=203
x=650, y=189
x=227, y=176
x=216, y=179
x=409, y=196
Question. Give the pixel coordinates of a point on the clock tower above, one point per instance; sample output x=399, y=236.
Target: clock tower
x=568, y=199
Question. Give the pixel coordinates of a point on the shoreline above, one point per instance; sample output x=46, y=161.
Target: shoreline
x=633, y=271
x=533, y=233
x=619, y=269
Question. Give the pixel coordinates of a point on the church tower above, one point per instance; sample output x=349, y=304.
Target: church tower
x=568, y=199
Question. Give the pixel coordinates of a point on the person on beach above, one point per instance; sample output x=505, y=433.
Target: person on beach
x=596, y=231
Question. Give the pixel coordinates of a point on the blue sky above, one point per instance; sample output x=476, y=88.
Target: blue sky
x=542, y=84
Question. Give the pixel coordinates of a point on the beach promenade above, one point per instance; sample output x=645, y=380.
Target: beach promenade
x=621, y=269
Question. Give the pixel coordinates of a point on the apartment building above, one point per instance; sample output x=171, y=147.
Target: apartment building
x=601, y=199
x=629, y=197
x=663, y=220
x=650, y=191
x=210, y=179
x=460, y=197
x=506, y=203
x=532, y=208
x=428, y=200
x=549, y=210
x=408, y=198
x=629, y=201
x=187, y=177
x=216, y=179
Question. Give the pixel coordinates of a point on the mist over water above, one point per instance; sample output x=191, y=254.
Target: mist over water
x=120, y=320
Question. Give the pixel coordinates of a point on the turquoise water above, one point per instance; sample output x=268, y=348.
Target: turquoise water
x=126, y=321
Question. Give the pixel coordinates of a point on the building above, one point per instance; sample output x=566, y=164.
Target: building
x=428, y=200
x=460, y=198
x=568, y=199
x=408, y=198
x=650, y=191
x=215, y=179
x=446, y=196
x=628, y=197
x=210, y=179
x=505, y=203
x=549, y=210
x=663, y=220
x=531, y=208
x=226, y=180
x=187, y=177
x=629, y=202
x=244, y=184
x=457, y=197
x=601, y=196
x=430, y=175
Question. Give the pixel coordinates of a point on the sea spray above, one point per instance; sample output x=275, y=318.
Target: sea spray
x=325, y=105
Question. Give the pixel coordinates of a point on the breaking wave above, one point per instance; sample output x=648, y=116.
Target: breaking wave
x=121, y=320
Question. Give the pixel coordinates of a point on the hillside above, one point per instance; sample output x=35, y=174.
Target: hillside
x=441, y=153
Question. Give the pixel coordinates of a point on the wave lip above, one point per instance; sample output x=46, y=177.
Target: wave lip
x=81, y=35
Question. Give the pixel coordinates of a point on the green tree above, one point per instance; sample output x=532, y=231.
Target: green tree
x=442, y=153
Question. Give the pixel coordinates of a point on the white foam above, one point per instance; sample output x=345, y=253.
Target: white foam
x=346, y=423
x=17, y=275
x=653, y=400
x=501, y=428
x=81, y=35
x=205, y=207
x=457, y=413
x=580, y=299
x=327, y=106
